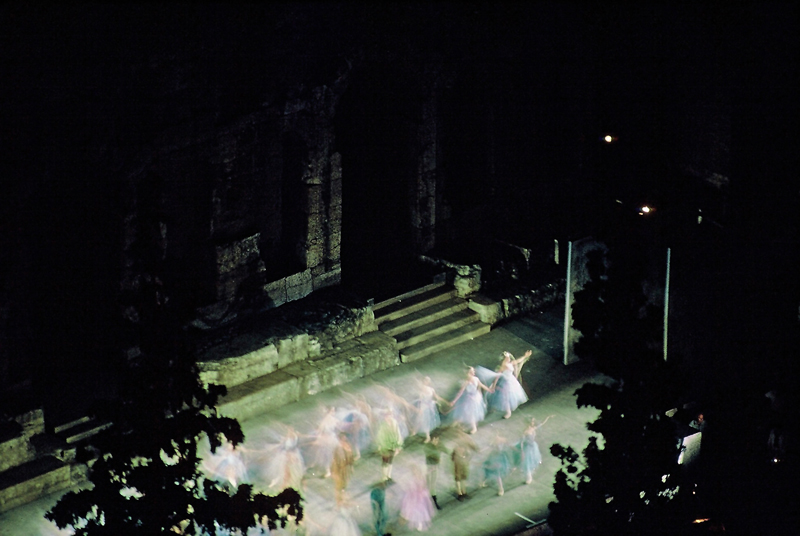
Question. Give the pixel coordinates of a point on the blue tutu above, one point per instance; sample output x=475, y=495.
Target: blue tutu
x=470, y=408
x=508, y=394
x=427, y=416
x=530, y=455
x=498, y=464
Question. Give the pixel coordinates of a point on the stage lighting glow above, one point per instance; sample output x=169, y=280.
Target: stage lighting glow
x=608, y=138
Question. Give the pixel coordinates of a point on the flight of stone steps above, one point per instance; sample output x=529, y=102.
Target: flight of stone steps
x=34, y=463
x=427, y=320
x=261, y=376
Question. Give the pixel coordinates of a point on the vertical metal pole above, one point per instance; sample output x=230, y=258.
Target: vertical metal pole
x=568, y=300
x=666, y=303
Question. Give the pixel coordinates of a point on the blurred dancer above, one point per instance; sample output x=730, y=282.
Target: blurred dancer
x=389, y=442
x=225, y=465
x=433, y=455
x=427, y=417
x=356, y=422
x=463, y=450
x=398, y=406
x=469, y=407
x=342, y=467
x=282, y=464
x=417, y=506
x=325, y=441
x=377, y=498
x=343, y=524
x=530, y=455
x=498, y=464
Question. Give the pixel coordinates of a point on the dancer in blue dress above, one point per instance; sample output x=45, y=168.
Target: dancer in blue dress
x=426, y=417
x=469, y=408
x=498, y=464
x=530, y=455
x=508, y=393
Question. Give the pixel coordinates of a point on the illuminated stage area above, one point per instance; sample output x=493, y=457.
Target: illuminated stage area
x=550, y=386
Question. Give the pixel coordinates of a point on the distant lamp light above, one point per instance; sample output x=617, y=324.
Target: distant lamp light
x=645, y=210
x=608, y=138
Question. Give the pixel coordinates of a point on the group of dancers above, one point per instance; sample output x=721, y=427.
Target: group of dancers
x=383, y=424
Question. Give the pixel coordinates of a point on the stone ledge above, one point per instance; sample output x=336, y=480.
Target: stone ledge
x=32, y=480
x=492, y=311
x=352, y=359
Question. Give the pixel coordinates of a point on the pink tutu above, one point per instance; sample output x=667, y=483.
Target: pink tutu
x=417, y=506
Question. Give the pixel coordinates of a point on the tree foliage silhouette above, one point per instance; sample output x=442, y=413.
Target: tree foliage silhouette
x=147, y=478
x=626, y=481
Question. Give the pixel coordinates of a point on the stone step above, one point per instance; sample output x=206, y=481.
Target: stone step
x=417, y=302
x=84, y=430
x=407, y=295
x=71, y=424
x=352, y=359
x=32, y=480
x=436, y=328
x=452, y=338
x=423, y=316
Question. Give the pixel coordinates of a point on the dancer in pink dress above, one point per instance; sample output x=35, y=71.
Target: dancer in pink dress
x=417, y=506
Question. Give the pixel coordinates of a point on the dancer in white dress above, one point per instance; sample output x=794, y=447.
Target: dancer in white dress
x=508, y=393
x=324, y=442
x=282, y=465
x=225, y=465
x=469, y=408
x=427, y=416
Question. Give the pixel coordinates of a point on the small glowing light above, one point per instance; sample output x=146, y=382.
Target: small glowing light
x=703, y=520
x=645, y=209
x=608, y=138
x=619, y=201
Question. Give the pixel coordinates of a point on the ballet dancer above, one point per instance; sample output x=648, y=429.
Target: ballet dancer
x=416, y=507
x=461, y=455
x=426, y=417
x=389, y=442
x=469, y=408
x=497, y=464
x=530, y=455
x=342, y=467
x=507, y=393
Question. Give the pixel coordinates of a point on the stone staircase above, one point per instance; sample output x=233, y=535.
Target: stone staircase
x=427, y=320
x=35, y=463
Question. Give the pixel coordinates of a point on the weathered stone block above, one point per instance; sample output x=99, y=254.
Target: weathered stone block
x=292, y=350
x=15, y=451
x=237, y=253
x=333, y=371
x=376, y=358
x=32, y=422
x=335, y=216
x=307, y=377
x=316, y=227
x=262, y=394
x=489, y=310
x=276, y=292
x=315, y=205
x=334, y=240
x=333, y=277
x=315, y=254
x=301, y=290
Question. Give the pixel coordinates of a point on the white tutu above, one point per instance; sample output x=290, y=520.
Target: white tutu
x=470, y=408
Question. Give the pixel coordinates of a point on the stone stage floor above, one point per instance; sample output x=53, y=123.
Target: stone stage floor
x=551, y=388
